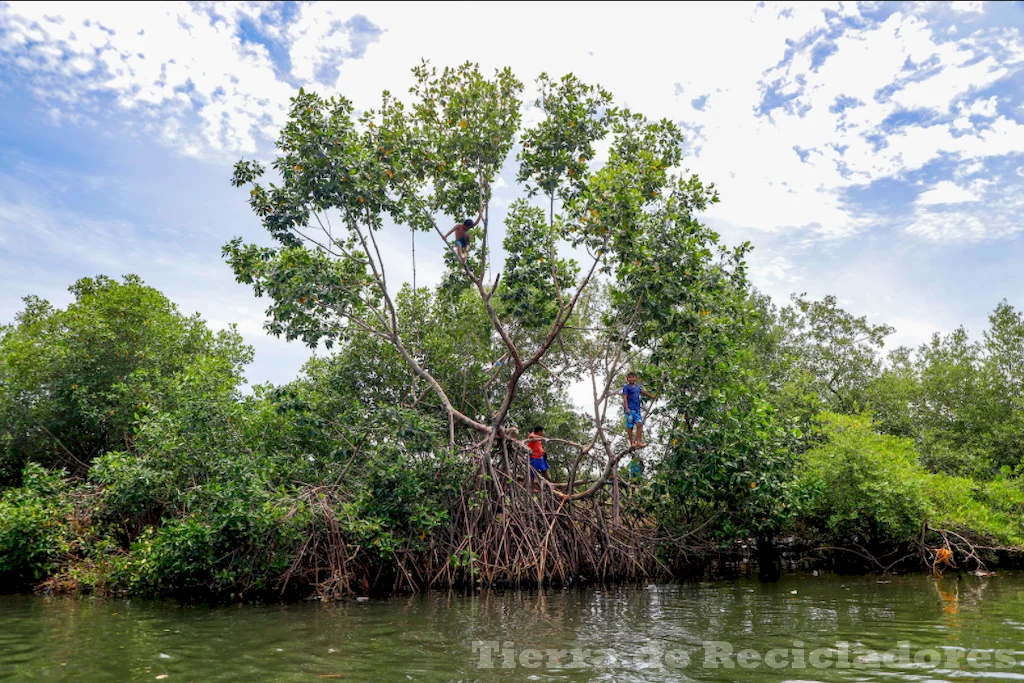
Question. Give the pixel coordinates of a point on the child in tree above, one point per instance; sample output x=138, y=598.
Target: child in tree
x=461, y=231
x=538, y=458
x=636, y=468
x=631, y=394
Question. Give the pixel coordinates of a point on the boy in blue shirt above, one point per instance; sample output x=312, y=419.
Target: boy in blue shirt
x=631, y=394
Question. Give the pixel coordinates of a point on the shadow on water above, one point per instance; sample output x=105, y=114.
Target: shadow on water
x=716, y=631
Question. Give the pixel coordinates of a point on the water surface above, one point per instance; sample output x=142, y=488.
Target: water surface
x=804, y=628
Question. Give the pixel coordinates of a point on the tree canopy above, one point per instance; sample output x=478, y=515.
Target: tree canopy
x=75, y=380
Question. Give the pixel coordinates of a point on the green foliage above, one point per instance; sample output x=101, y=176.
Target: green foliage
x=555, y=153
x=682, y=297
x=989, y=511
x=75, y=381
x=377, y=454
x=838, y=349
x=33, y=526
x=736, y=468
x=536, y=280
x=789, y=385
x=234, y=540
x=214, y=499
x=870, y=486
x=440, y=154
x=306, y=287
x=959, y=399
x=871, y=489
x=894, y=394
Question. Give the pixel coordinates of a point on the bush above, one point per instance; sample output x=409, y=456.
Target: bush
x=33, y=532
x=240, y=545
x=74, y=382
x=870, y=486
x=985, y=511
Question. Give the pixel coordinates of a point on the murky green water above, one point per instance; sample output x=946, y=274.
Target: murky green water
x=910, y=629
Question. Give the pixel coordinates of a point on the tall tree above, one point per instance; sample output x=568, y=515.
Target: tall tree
x=74, y=381
x=840, y=350
x=608, y=268
x=346, y=178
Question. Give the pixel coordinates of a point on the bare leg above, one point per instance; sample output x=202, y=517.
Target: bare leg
x=640, y=436
x=630, y=432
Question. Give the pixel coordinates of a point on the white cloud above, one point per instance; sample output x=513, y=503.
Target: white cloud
x=910, y=332
x=949, y=227
x=968, y=6
x=320, y=41
x=45, y=248
x=184, y=64
x=981, y=107
x=211, y=93
x=990, y=209
x=182, y=75
x=946, y=192
x=775, y=274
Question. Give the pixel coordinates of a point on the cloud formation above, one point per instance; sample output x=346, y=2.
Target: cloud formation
x=824, y=125
x=788, y=105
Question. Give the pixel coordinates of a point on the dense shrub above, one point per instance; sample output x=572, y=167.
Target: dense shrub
x=33, y=526
x=870, y=486
x=872, y=489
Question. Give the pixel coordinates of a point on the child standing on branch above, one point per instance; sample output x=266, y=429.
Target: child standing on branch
x=538, y=459
x=461, y=231
x=631, y=394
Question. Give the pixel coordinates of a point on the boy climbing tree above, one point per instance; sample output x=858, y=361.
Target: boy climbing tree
x=461, y=231
x=538, y=459
x=631, y=394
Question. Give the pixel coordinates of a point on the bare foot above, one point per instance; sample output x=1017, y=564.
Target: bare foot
x=641, y=445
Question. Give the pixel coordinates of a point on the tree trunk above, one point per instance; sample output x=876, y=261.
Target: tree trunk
x=616, y=519
x=768, y=564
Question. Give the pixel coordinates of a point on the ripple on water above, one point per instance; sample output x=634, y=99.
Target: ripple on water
x=651, y=633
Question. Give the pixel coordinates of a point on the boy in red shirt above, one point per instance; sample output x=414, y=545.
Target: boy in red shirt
x=538, y=459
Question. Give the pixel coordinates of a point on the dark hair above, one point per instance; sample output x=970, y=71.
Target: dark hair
x=538, y=429
x=630, y=374
x=468, y=222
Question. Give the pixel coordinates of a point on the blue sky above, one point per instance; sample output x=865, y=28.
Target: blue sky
x=872, y=151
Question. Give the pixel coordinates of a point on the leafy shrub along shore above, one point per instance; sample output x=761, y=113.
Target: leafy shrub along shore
x=223, y=494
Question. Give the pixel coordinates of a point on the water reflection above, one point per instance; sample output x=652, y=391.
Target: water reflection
x=622, y=634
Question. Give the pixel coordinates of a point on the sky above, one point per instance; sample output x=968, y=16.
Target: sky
x=874, y=151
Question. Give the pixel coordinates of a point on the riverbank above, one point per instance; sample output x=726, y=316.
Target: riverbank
x=224, y=540
x=132, y=463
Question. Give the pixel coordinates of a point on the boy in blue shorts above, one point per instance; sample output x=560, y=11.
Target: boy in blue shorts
x=538, y=458
x=461, y=231
x=631, y=394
